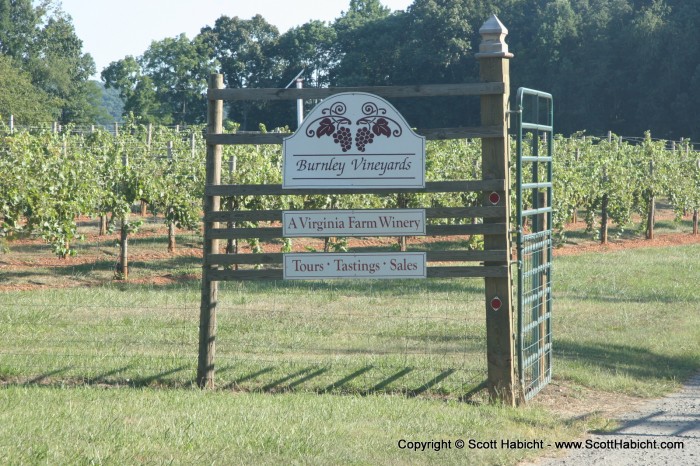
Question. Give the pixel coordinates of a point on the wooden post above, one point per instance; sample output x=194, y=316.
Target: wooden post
x=123, y=268
x=494, y=65
x=604, y=221
x=604, y=212
x=574, y=217
x=695, y=211
x=171, y=225
x=402, y=203
x=124, y=250
x=652, y=204
x=12, y=124
x=103, y=225
x=149, y=138
x=207, y=315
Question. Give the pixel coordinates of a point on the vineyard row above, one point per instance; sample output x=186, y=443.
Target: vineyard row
x=50, y=178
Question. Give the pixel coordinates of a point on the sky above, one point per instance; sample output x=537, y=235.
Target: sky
x=111, y=30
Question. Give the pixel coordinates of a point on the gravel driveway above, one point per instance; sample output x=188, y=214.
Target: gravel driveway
x=643, y=434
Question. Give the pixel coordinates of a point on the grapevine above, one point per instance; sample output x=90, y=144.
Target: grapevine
x=49, y=178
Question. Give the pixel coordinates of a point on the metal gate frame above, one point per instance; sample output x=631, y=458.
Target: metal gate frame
x=534, y=241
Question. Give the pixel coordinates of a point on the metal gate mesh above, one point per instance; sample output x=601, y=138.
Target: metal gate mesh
x=534, y=239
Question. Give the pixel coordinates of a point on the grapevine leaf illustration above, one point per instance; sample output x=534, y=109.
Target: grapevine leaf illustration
x=381, y=126
x=325, y=128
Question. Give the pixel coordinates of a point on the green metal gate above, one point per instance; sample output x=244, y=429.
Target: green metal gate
x=534, y=239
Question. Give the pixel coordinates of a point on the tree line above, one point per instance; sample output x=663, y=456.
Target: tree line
x=621, y=65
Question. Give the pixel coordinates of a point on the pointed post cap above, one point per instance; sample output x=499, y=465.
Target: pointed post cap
x=493, y=40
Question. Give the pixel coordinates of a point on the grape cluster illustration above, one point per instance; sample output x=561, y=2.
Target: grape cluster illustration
x=335, y=124
x=343, y=136
x=363, y=137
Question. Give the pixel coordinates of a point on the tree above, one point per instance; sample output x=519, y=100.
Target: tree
x=41, y=40
x=112, y=105
x=310, y=48
x=135, y=89
x=245, y=52
x=19, y=98
x=365, y=45
x=19, y=22
x=179, y=69
x=61, y=69
x=437, y=45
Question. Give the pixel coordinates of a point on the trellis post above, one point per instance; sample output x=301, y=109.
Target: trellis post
x=494, y=59
x=212, y=203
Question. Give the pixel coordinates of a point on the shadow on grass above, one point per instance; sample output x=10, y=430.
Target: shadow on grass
x=105, y=376
x=46, y=376
x=253, y=375
x=290, y=382
x=52, y=378
x=653, y=296
x=340, y=383
x=636, y=362
x=38, y=273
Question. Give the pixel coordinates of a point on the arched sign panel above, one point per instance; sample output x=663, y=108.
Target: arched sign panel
x=354, y=140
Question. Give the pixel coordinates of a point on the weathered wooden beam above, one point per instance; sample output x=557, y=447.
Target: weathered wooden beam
x=432, y=256
x=209, y=292
x=431, y=134
x=421, y=90
x=494, y=65
x=431, y=230
x=430, y=187
x=432, y=212
x=432, y=272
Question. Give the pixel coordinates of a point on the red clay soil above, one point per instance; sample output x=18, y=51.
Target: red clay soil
x=19, y=262
x=669, y=239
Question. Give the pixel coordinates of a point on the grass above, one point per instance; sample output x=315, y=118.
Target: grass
x=628, y=321
x=126, y=426
x=348, y=337
x=324, y=372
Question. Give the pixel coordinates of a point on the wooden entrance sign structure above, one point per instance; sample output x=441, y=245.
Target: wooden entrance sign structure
x=493, y=263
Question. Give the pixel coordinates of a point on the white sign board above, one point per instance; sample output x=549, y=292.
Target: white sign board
x=354, y=140
x=309, y=266
x=322, y=223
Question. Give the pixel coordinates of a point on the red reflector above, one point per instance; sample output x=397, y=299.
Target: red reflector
x=494, y=198
x=496, y=303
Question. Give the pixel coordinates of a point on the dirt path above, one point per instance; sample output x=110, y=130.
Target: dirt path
x=644, y=433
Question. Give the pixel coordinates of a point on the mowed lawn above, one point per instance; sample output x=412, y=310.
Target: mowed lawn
x=324, y=373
